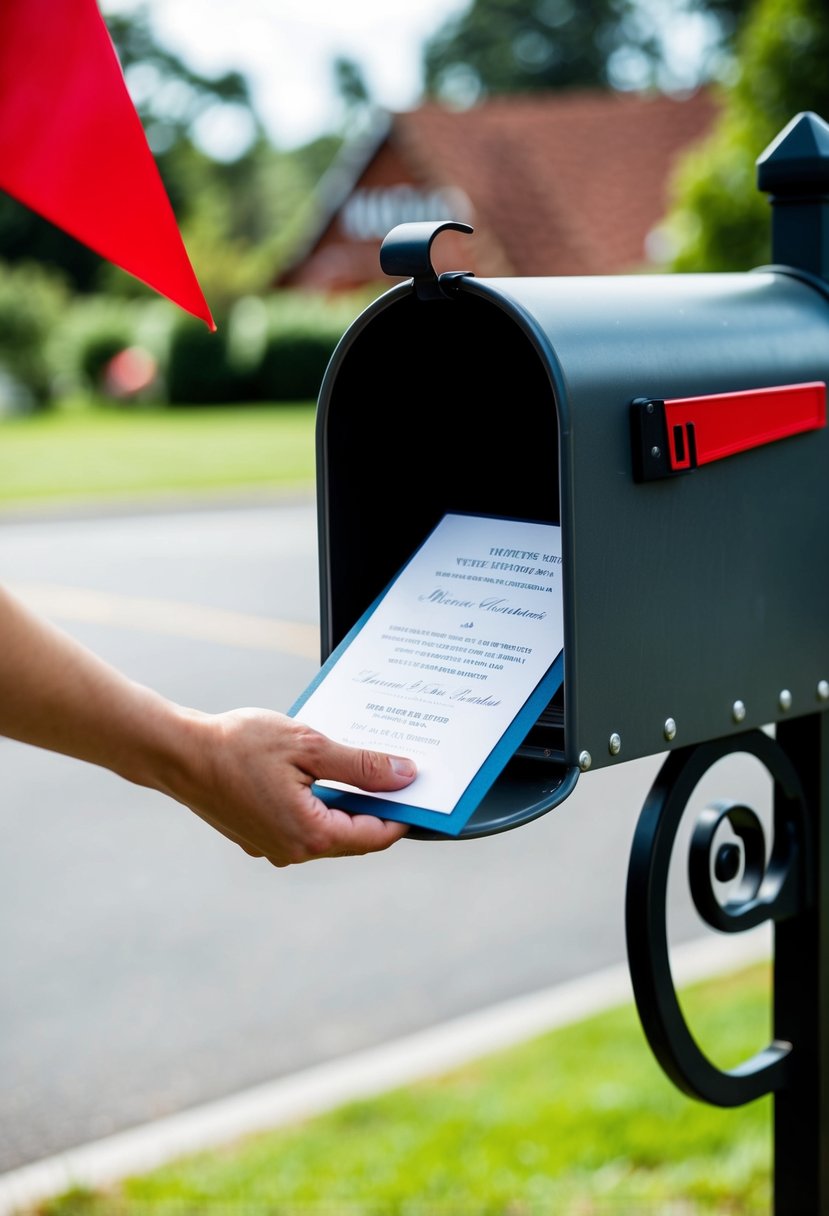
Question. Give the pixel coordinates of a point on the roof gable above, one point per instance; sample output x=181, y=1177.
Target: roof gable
x=554, y=183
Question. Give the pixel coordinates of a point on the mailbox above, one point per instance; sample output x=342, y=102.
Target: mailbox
x=672, y=425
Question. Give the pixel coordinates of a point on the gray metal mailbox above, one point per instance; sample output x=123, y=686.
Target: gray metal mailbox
x=673, y=425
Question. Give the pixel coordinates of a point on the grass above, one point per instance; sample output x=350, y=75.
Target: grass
x=113, y=452
x=579, y=1122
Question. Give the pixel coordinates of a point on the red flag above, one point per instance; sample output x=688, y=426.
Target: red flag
x=72, y=146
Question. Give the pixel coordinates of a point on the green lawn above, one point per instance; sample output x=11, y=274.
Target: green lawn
x=100, y=452
x=580, y=1122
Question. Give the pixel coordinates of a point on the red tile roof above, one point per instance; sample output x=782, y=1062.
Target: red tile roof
x=559, y=183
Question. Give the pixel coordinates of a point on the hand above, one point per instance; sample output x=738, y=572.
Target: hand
x=247, y=772
x=250, y=774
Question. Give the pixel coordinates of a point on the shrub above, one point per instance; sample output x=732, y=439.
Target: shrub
x=198, y=370
x=100, y=349
x=96, y=328
x=282, y=344
x=267, y=348
x=293, y=364
x=31, y=303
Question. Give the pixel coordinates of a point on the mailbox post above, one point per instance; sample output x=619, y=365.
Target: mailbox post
x=791, y=889
x=674, y=427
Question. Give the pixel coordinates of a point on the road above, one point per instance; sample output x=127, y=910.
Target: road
x=147, y=965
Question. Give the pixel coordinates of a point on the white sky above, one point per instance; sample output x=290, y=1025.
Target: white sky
x=285, y=49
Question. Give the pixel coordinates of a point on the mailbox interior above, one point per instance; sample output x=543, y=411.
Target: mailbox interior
x=429, y=407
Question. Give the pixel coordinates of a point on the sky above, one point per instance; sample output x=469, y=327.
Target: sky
x=285, y=49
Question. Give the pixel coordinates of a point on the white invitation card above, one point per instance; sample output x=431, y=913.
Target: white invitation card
x=451, y=666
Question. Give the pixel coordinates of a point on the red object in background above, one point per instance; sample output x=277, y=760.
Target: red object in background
x=129, y=373
x=73, y=149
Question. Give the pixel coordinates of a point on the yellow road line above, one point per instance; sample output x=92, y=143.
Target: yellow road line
x=194, y=621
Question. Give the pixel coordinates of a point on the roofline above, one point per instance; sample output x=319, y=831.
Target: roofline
x=338, y=181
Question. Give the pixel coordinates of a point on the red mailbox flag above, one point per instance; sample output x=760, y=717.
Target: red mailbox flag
x=73, y=149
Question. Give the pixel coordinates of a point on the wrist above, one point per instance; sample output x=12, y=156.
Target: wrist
x=175, y=747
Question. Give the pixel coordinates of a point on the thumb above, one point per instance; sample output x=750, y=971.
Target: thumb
x=368, y=770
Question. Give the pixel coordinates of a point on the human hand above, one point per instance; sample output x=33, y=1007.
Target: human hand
x=249, y=773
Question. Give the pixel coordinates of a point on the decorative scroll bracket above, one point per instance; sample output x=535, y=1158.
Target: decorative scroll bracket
x=775, y=891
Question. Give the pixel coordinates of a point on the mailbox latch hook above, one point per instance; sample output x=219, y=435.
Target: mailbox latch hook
x=406, y=252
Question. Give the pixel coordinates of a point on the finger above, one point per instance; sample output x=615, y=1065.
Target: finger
x=368, y=770
x=354, y=835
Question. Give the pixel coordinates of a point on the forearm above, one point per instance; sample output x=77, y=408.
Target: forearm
x=56, y=694
x=247, y=772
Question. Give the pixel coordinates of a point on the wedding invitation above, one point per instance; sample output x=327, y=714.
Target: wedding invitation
x=451, y=665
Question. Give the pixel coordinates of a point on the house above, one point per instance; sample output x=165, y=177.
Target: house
x=562, y=183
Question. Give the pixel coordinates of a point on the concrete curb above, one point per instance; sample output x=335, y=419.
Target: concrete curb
x=361, y=1075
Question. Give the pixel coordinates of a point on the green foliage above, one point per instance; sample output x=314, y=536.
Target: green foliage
x=719, y=220
x=503, y=46
x=301, y=332
x=27, y=239
x=350, y=82
x=170, y=96
x=197, y=366
x=244, y=219
x=314, y=158
x=94, y=328
x=31, y=303
x=268, y=348
x=508, y=46
x=293, y=364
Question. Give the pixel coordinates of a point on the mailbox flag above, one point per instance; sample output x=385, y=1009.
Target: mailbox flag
x=73, y=149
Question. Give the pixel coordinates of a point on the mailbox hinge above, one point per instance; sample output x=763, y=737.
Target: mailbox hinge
x=673, y=436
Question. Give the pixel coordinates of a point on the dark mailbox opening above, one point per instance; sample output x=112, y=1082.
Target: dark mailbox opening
x=406, y=416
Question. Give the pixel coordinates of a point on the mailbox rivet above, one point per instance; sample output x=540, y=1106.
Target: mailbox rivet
x=656, y=452
x=669, y=729
x=785, y=699
x=649, y=408
x=585, y=760
x=738, y=711
x=614, y=744
x=823, y=690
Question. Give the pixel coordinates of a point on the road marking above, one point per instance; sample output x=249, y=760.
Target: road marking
x=194, y=621
x=364, y=1074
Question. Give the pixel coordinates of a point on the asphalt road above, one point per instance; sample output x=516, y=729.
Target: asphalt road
x=146, y=964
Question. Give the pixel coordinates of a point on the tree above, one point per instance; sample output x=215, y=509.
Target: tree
x=506, y=46
x=719, y=220
x=175, y=103
x=350, y=83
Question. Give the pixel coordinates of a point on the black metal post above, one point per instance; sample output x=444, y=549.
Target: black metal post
x=801, y=995
x=790, y=888
x=794, y=172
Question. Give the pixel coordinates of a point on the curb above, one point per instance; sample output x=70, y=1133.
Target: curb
x=363, y=1074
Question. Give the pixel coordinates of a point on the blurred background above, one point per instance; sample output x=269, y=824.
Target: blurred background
x=293, y=138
